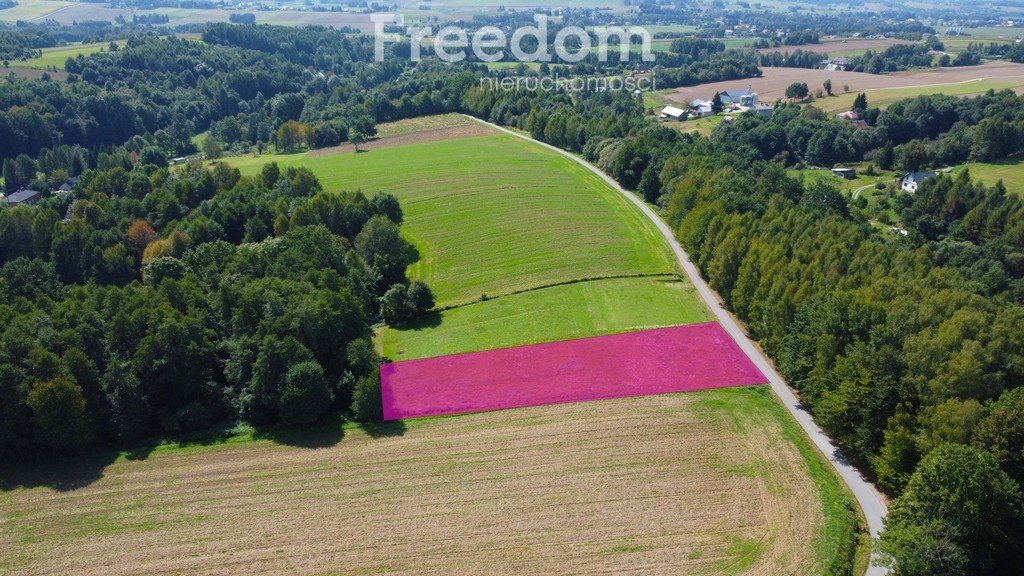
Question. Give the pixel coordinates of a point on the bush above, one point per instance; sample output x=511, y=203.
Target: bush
x=306, y=397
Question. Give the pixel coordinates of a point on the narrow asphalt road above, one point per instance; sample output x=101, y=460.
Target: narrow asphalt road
x=869, y=499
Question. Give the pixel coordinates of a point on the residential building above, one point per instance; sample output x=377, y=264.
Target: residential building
x=912, y=181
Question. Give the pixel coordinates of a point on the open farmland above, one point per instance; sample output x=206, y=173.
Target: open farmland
x=836, y=48
x=32, y=10
x=1010, y=172
x=549, y=314
x=56, y=57
x=718, y=482
x=522, y=219
x=772, y=85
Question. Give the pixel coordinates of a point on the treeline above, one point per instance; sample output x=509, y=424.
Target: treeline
x=150, y=303
x=893, y=59
x=797, y=59
x=914, y=134
x=909, y=352
x=910, y=358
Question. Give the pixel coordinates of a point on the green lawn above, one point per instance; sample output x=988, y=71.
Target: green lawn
x=496, y=215
x=1011, y=172
x=550, y=314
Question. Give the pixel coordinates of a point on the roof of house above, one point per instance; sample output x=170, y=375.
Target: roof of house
x=918, y=176
x=735, y=95
x=22, y=196
x=672, y=111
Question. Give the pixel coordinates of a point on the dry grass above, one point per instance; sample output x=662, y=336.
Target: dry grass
x=773, y=84
x=687, y=484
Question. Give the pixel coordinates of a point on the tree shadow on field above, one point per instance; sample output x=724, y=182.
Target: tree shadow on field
x=427, y=320
x=413, y=254
x=322, y=436
x=63, y=474
x=383, y=429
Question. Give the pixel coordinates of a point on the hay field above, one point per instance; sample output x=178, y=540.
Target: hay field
x=32, y=9
x=705, y=483
x=772, y=85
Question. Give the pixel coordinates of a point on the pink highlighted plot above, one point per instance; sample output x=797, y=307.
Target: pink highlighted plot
x=660, y=361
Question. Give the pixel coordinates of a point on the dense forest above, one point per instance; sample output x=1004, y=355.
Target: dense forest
x=151, y=302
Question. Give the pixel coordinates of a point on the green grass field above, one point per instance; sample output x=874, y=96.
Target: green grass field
x=550, y=314
x=1011, y=172
x=495, y=215
x=56, y=57
x=882, y=97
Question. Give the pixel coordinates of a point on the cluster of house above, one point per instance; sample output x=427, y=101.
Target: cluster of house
x=836, y=65
x=26, y=197
x=910, y=183
x=736, y=101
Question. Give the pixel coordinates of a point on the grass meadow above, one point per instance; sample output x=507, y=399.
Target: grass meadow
x=494, y=215
x=56, y=57
x=1011, y=172
x=550, y=314
x=882, y=97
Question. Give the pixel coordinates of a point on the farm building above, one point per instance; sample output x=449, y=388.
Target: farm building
x=914, y=179
x=836, y=65
x=702, y=109
x=673, y=113
x=23, y=197
x=746, y=98
x=845, y=173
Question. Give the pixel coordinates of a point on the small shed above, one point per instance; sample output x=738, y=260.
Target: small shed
x=845, y=173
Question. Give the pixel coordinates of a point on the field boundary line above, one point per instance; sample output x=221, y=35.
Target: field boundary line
x=489, y=297
x=869, y=499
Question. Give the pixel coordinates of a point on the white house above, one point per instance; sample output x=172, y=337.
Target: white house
x=673, y=113
x=913, y=180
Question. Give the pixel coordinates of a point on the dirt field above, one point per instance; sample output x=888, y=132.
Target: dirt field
x=702, y=483
x=773, y=84
x=80, y=12
x=405, y=139
x=840, y=48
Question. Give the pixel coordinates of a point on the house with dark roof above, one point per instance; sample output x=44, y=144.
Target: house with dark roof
x=746, y=98
x=913, y=180
x=22, y=197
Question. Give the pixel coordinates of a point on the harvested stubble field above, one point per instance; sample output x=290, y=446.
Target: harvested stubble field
x=705, y=483
x=836, y=48
x=772, y=85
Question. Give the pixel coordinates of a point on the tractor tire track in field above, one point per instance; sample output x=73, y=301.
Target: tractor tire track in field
x=871, y=502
